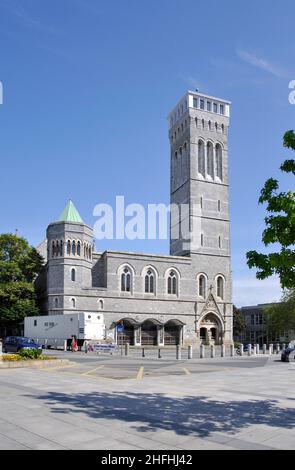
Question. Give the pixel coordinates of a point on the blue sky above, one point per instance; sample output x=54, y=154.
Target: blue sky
x=87, y=88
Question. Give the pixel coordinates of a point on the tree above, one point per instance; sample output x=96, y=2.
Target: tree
x=280, y=227
x=19, y=266
x=280, y=318
x=238, y=321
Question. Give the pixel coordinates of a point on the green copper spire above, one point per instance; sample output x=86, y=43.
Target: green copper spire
x=70, y=214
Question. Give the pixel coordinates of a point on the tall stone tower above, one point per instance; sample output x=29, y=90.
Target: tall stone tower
x=199, y=224
x=69, y=254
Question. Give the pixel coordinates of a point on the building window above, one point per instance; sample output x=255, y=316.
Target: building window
x=215, y=107
x=73, y=303
x=73, y=248
x=61, y=248
x=35, y=322
x=218, y=161
x=79, y=249
x=222, y=128
x=209, y=107
x=53, y=249
x=202, y=286
x=209, y=125
x=201, y=158
x=221, y=109
x=100, y=305
x=203, y=124
x=172, y=283
x=216, y=127
x=149, y=282
x=195, y=102
x=73, y=274
x=126, y=280
x=56, y=302
x=210, y=160
x=202, y=104
x=252, y=320
x=68, y=248
x=220, y=287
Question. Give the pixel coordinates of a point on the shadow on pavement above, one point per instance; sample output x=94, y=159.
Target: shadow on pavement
x=190, y=415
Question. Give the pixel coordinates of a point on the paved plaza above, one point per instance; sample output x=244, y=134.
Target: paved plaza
x=105, y=402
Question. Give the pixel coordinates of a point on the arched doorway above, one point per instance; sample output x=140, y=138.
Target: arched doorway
x=127, y=336
x=149, y=333
x=172, y=332
x=211, y=329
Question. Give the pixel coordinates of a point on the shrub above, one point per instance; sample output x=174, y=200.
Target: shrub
x=30, y=353
x=11, y=357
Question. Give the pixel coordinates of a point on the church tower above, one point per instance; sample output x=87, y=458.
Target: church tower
x=199, y=196
x=69, y=255
x=199, y=176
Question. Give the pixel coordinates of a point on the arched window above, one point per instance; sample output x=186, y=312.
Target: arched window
x=196, y=121
x=149, y=282
x=73, y=274
x=222, y=128
x=79, y=249
x=73, y=248
x=218, y=161
x=68, y=248
x=57, y=249
x=56, y=302
x=216, y=127
x=202, y=286
x=210, y=161
x=90, y=252
x=203, y=124
x=126, y=280
x=61, y=248
x=209, y=125
x=100, y=304
x=201, y=158
x=53, y=249
x=73, y=303
x=220, y=287
x=172, y=283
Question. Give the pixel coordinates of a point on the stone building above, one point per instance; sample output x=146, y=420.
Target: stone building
x=184, y=297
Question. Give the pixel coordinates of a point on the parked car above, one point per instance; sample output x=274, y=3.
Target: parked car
x=15, y=343
x=288, y=354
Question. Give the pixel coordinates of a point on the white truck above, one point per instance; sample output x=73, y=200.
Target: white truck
x=53, y=330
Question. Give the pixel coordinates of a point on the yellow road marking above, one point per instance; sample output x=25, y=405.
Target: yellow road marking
x=140, y=373
x=186, y=371
x=92, y=370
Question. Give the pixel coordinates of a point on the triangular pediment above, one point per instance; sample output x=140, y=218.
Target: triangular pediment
x=210, y=306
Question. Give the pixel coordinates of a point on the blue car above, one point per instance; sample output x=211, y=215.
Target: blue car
x=15, y=343
x=288, y=354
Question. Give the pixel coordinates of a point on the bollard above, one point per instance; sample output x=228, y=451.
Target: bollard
x=283, y=346
x=249, y=349
x=143, y=355
x=232, y=350
x=178, y=352
x=190, y=352
x=159, y=354
x=241, y=350
x=212, y=350
x=126, y=349
x=202, y=351
x=45, y=344
x=85, y=347
x=65, y=345
x=257, y=349
x=222, y=350
x=270, y=349
x=264, y=349
x=278, y=348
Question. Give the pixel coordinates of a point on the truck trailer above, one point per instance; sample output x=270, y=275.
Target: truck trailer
x=53, y=330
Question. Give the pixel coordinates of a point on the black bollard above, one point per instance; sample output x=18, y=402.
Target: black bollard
x=159, y=354
x=143, y=355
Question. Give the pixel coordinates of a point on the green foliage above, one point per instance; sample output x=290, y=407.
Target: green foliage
x=30, y=353
x=19, y=266
x=280, y=227
x=238, y=321
x=280, y=317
